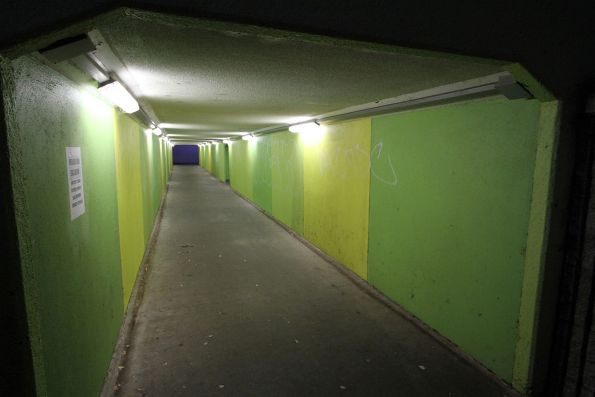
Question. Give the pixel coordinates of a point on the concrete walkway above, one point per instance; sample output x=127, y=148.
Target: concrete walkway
x=236, y=306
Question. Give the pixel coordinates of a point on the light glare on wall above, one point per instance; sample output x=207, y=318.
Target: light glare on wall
x=117, y=94
x=305, y=127
x=227, y=141
x=247, y=137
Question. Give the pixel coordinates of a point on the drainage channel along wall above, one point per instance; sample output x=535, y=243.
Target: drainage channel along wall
x=442, y=209
x=78, y=272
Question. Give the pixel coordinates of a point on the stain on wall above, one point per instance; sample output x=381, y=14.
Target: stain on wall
x=450, y=198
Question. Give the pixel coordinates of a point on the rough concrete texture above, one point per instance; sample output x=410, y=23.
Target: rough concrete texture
x=205, y=79
x=235, y=305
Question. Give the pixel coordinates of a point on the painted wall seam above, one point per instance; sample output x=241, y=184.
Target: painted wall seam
x=536, y=244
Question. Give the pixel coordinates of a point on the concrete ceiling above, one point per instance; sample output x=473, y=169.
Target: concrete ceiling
x=204, y=79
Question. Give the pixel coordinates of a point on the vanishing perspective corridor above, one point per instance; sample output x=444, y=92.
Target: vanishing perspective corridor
x=200, y=207
x=235, y=305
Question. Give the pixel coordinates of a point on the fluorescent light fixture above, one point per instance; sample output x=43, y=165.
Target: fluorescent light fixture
x=227, y=141
x=247, y=137
x=117, y=94
x=157, y=131
x=297, y=119
x=305, y=127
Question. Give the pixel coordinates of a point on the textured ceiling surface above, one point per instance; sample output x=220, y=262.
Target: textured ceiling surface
x=209, y=80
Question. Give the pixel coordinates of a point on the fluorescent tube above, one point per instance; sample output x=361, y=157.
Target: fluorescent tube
x=117, y=94
x=304, y=127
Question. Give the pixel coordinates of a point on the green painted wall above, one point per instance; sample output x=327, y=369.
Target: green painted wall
x=73, y=277
x=219, y=163
x=442, y=209
x=287, y=179
x=77, y=274
x=336, y=191
x=130, y=200
x=212, y=154
x=226, y=159
x=450, y=198
x=250, y=172
x=204, y=160
x=259, y=150
x=537, y=241
x=240, y=168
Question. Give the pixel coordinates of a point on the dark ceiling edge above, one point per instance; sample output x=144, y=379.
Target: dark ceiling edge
x=108, y=15
x=188, y=13
x=262, y=31
x=87, y=22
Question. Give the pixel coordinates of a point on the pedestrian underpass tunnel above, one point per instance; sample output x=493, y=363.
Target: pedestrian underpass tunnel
x=426, y=177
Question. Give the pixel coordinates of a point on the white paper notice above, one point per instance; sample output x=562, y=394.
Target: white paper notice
x=75, y=182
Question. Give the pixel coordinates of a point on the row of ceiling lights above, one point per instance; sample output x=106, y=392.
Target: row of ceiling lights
x=118, y=95
x=310, y=127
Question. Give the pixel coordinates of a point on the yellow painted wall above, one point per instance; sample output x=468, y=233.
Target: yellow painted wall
x=336, y=191
x=130, y=200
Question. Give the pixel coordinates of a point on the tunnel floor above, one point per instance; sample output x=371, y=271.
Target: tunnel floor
x=234, y=305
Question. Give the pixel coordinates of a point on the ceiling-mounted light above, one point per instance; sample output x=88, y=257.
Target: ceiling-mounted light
x=157, y=131
x=247, y=137
x=305, y=127
x=227, y=141
x=119, y=96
